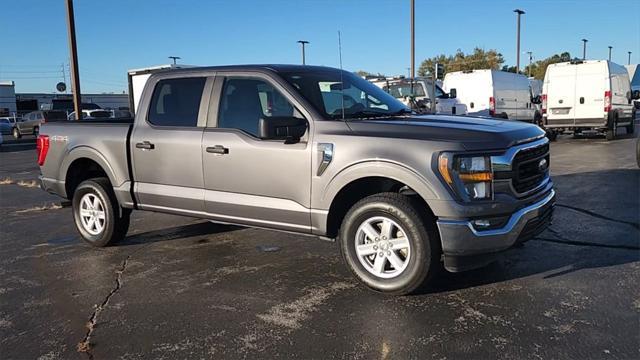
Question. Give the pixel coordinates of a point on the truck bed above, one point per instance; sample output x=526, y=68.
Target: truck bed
x=105, y=142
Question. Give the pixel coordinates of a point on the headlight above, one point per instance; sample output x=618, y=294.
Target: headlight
x=471, y=177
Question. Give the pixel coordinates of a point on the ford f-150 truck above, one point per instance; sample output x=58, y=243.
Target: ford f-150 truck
x=311, y=150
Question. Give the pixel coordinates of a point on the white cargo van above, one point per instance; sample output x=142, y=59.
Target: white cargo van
x=400, y=88
x=493, y=93
x=137, y=78
x=590, y=94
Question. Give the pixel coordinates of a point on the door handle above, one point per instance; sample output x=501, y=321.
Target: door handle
x=145, y=145
x=218, y=149
x=582, y=100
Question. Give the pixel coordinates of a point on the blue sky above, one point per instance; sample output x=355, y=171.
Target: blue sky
x=117, y=35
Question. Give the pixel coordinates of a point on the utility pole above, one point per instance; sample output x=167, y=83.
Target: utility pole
x=584, y=49
x=629, y=59
x=610, y=47
x=413, y=43
x=303, y=43
x=519, y=12
x=530, y=60
x=75, y=77
x=174, y=58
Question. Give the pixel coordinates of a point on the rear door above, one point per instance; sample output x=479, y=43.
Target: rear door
x=166, y=146
x=561, y=92
x=591, y=83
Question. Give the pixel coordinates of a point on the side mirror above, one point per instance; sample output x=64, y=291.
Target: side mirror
x=635, y=95
x=453, y=93
x=287, y=128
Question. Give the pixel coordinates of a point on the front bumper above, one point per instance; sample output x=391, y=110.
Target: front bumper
x=466, y=248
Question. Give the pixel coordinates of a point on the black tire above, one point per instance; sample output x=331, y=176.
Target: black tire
x=36, y=130
x=638, y=151
x=116, y=219
x=424, y=260
x=16, y=133
x=577, y=133
x=612, y=130
x=552, y=135
x=632, y=126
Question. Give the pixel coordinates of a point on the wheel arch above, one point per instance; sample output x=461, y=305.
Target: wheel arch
x=362, y=180
x=83, y=163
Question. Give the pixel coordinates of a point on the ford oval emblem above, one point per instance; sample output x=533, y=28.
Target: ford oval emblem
x=542, y=165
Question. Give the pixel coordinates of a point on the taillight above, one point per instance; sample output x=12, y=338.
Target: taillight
x=607, y=101
x=544, y=103
x=42, y=146
x=492, y=106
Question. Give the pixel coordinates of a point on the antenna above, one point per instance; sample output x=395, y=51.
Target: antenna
x=341, y=82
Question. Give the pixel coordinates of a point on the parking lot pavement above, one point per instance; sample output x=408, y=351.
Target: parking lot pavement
x=182, y=288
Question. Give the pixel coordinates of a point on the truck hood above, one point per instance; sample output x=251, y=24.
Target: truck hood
x=474, y=133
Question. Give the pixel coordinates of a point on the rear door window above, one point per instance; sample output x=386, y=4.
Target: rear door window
x=176, y=102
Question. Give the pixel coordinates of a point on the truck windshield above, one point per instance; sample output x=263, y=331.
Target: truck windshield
x=332, y=94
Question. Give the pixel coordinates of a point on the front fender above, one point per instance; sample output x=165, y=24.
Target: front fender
x=380, y=168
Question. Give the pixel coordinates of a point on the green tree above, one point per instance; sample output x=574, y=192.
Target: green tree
x=539, y=68
x=478, y=59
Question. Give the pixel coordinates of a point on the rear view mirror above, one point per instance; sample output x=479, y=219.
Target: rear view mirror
x=453, y=93
x=635, y=95
x=340, y=86
x=287, y=128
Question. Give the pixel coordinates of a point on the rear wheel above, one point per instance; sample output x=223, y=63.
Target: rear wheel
x=611, y=132
x=632, y=126
x=552, y=135
x=386, y=245
x=16, y=133
x=98, y=217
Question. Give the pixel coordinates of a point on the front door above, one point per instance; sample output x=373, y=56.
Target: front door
x=166, y=148
x=249, y=180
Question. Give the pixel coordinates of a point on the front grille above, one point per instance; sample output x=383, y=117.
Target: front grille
x=527, y=174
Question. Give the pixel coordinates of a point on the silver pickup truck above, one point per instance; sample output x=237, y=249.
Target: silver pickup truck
x=311, y=150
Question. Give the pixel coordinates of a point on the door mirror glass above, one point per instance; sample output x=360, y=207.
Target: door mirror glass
x=635, y=94
x=453, y=93
x=287, y=128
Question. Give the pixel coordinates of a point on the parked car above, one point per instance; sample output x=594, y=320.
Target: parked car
x=312, y=150
x=31, y=122
x=494, y=93
x=419, y=94
x=91, y=114
x=591, y=94
x=6, y=125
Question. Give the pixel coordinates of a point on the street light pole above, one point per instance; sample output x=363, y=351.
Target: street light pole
x=610, y=47
x=530, y=60
x=629, y=59
x=75, y=77
x=303, y=43
x=413, y=43
x=584, y=49
x=174, y=58
x=519, y=12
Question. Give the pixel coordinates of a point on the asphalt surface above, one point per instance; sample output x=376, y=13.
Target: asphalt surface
x=181, y=288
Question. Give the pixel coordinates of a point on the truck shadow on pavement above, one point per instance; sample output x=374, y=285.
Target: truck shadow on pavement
x=178, y=232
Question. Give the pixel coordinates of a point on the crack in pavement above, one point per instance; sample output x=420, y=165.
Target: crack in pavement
x=85, y=345
x=563, y=240
x=599, y=216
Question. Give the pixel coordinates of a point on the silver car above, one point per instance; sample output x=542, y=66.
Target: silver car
x=6, y=125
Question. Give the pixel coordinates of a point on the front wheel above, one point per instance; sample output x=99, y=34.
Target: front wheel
x=98, y=217
x=385, y=243
x=16, y=133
